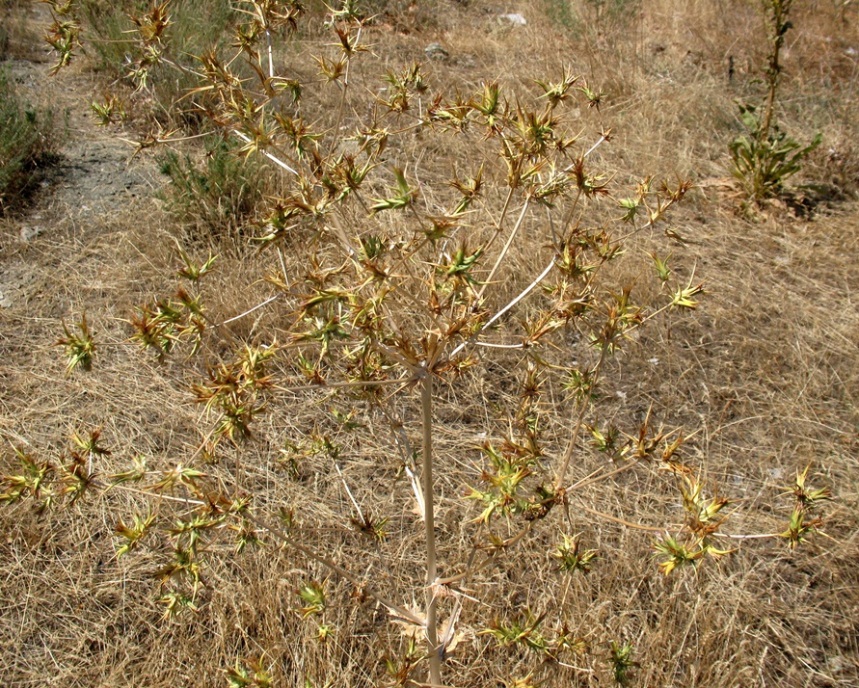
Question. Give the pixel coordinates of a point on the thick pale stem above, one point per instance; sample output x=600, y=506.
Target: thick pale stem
x=275, y=160
x=429, y=523
x=251, y=310
x=506, y=308
x=504, y=251
x=270, y=54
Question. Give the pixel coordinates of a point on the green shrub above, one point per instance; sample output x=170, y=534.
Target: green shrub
x=27, y=145
x=764, y=160
x=194, y=26
x=764, y=157
x=600, y=15
x=216, y=197
x=561, y=13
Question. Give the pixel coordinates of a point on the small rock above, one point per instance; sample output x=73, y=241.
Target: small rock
x=30, y=233
x=466, y=60
x=436, y=51
x=514, y=18
x=835, y=664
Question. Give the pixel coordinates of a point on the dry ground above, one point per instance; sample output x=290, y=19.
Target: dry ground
x=763, y=377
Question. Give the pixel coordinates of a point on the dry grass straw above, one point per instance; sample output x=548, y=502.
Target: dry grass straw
x=762, y=377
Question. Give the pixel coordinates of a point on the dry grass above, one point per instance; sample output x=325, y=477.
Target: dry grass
x=763, y=378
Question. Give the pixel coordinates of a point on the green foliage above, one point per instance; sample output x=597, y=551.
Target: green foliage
x=80, y=346
x=110, y=111
x=109, y=23
x=524, y=631
x=134, y=533
x=590, y=14
x=32, y=482
x=406, y=14
x=165, y=323
x=234, y=392
x=312, y=594
x=764, y=157
x=621, y=662
x=155, y=57
x=561, y=12
x=216, y=197
x=27, y=146
x=250, y=673
x=194, y=26
x=808, y=499
x=571, y=557
x=764, y=160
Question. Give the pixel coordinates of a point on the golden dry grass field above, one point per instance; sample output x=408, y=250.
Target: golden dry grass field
x=308, y=547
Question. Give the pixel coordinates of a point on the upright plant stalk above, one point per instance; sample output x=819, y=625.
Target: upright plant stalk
x=778, y=10
x=764, y=157
x=429, y=524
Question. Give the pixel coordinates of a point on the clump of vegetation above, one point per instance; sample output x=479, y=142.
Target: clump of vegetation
x=9, y=25
x=600, y=16
x=765, y=157
x=150, y=52
x=218, y=196
x=28, y=146
x=80, y=347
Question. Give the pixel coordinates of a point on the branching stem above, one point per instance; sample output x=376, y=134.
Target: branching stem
x=504, y=251
x=429, y=524
x=577, y=427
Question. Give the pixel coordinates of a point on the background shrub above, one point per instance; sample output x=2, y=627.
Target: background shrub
x=217, y=196
x=27, y=145
x=195, y=26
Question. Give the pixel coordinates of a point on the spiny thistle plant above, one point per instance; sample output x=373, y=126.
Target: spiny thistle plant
x=249, y=673
x=802, y=523
x=622, y=662
x=403, y=291
x=80, y=347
